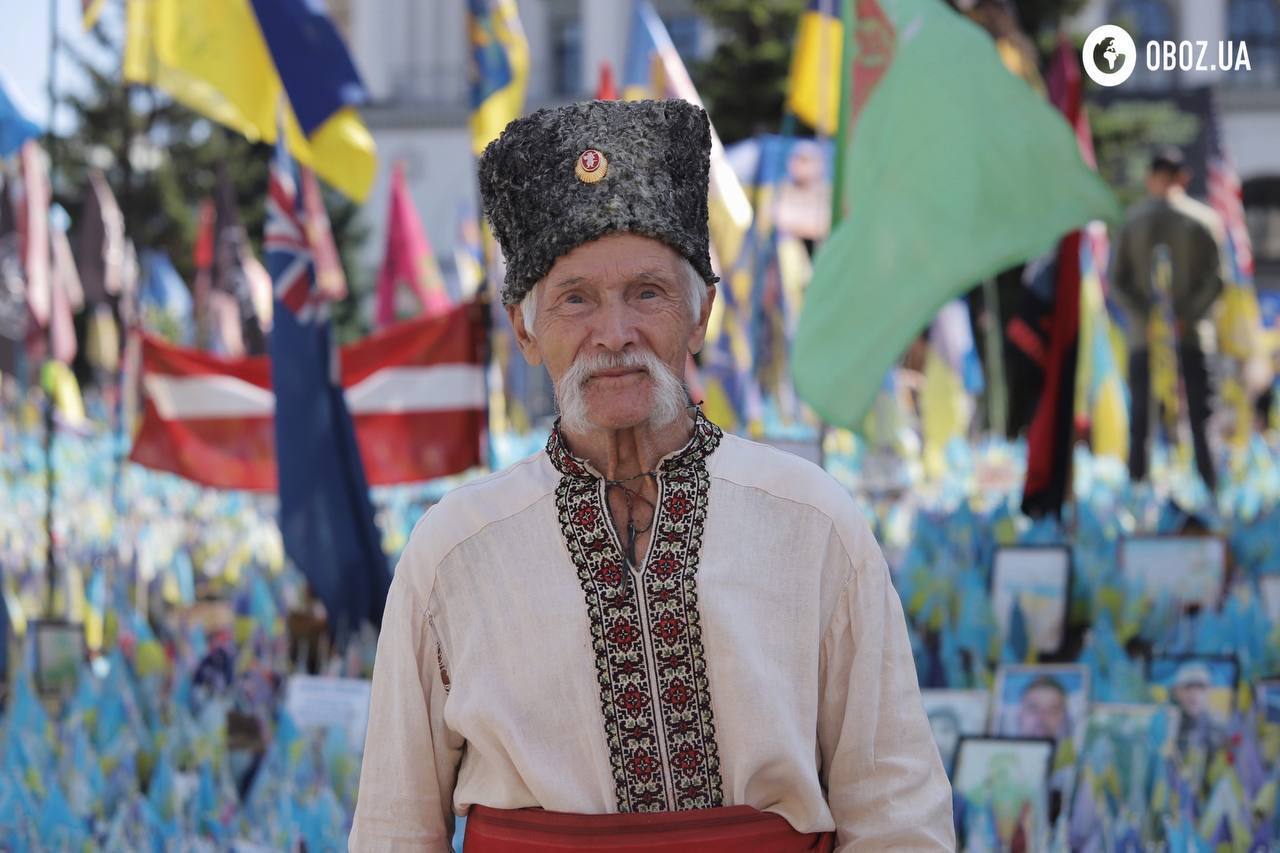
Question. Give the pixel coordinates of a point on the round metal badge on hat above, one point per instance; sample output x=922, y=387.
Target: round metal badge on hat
x=591, y=166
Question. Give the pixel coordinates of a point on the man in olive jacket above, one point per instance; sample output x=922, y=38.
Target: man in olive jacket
x=1192, y=233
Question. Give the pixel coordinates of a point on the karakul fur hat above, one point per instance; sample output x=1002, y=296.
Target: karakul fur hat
x=564, y=176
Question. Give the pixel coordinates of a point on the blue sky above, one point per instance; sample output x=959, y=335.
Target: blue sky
x=24, y=48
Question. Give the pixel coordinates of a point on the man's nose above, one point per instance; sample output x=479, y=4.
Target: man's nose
x=615, y=328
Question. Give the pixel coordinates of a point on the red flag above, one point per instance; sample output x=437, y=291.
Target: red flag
x=1067, y=94
x=1049, y=441
x=33, y=226
x=330, y=278
x=408, y=259
x=66, y=296
x=202, y=258
x=415, y=391
x=202, y=254
x=606, y=90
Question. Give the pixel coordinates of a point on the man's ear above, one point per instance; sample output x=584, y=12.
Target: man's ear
x=699, y=334
x=527, y=342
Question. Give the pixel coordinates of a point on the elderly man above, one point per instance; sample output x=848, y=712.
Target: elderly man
x=650, y=615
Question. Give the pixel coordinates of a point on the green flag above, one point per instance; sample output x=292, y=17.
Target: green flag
x=950, y=169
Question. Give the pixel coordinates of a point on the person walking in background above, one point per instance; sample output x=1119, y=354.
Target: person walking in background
x=1191, y=233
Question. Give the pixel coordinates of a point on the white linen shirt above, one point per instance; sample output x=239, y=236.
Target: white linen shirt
x=488, y=690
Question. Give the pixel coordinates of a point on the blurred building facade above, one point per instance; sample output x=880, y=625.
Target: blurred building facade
x=1248, y=102
x=414, y=55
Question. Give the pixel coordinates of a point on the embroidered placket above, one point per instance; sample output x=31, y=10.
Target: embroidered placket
x=650, y=662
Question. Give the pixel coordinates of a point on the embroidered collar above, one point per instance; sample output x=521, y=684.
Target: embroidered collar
x=706, y=437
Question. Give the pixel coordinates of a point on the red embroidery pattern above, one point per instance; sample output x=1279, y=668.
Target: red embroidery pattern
x=663, y=757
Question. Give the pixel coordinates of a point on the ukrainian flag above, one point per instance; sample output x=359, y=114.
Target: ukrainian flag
x=654, y=70
x=240, y=65
x=1101, y=393
x=500, y=68
x=813, y=86
x=732, y=395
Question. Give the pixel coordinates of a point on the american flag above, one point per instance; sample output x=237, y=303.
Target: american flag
x=1225, y=198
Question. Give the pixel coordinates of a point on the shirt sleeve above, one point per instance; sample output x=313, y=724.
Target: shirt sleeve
x=405, y=800
x=885, y=783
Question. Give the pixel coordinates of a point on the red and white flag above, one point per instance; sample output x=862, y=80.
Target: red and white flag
x=415, y=391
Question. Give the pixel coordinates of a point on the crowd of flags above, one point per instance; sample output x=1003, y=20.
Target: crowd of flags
x=904, y=227
x=237, y=378
x=888, y=206
x=240, y=385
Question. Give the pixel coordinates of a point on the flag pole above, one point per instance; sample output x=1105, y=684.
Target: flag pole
x=51, y=561
x=997, y=394
x=849, y=19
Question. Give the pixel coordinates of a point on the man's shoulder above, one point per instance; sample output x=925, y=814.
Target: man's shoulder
x=786, y=476
x=470, y=508
x=1142, y=209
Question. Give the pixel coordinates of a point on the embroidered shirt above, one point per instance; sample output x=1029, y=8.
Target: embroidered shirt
x=757, y=655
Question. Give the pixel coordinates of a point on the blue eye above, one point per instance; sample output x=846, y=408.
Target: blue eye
x=645, y=294
x=573, y=299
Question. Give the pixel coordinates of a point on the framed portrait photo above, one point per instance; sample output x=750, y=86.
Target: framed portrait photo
x=60, y=652
x=954, y=714
x=1008, y=776
x=1203, y=689
x=1036, y=580
x=1041, y=700
x=1192, y=568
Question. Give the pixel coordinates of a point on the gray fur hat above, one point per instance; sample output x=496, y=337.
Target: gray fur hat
x=564, y=176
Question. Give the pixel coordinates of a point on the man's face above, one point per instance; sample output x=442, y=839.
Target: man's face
x=621, y=293
x=1042, y=713
x=1192, y=698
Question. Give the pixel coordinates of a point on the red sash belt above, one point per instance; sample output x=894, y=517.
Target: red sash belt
x=729, y=829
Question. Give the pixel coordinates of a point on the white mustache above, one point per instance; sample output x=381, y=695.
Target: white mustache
x=669, y=393
x=586, y=367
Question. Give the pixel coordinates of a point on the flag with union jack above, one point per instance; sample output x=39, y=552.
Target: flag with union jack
x=326, y=516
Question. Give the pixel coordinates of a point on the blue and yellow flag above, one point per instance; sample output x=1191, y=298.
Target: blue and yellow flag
x=655, y=70
x=499, y=68
x=324, y=89
x=787, y=181
x=1101, y=392
x=229, y=67
x=813, y=86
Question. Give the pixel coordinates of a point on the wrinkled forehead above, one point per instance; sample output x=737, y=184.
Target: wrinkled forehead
x=616, y=260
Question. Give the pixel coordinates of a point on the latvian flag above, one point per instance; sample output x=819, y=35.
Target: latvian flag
x=415, y=391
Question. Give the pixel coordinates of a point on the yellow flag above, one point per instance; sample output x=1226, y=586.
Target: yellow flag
x=218, y=65
x=813, y=85
x=943, y=410
x=60, y=383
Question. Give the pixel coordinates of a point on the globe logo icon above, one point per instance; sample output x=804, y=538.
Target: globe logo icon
x=1106, y=55
x=1109, y=55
